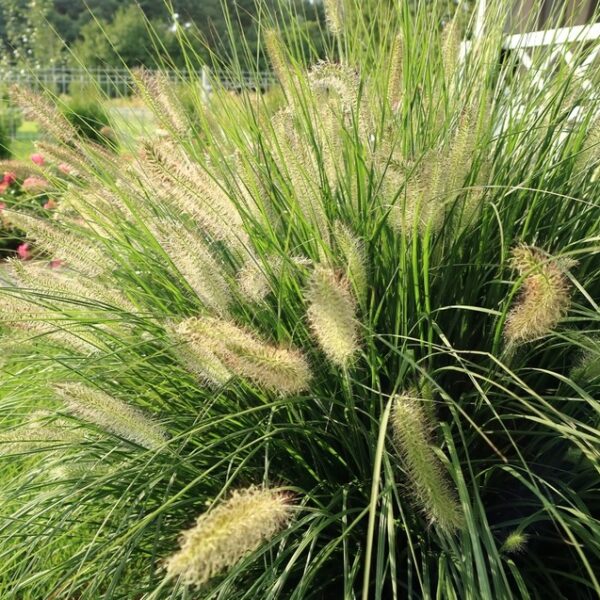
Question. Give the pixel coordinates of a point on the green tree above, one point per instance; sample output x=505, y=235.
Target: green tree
x=128, y=39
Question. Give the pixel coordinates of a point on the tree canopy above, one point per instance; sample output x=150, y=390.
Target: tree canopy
x=107, y=33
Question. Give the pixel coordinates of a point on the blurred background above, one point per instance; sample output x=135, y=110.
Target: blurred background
x=83, y=52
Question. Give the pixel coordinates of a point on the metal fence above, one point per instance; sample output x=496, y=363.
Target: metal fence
x=115, y=82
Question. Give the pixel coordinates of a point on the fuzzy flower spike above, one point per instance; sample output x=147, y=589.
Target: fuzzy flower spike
x=412, y=433
x=229, y=532
x=544, y=298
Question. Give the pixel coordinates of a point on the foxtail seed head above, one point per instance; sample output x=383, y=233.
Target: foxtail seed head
x=355, y=258
x=412, y=434
x=396, y=74
x=332, y=315
x=40, y=109
x=229, y=532
x=111, y=415
x=192, y=257
x=334, y=15
x=223, y=345
x=81, y=254
x=515, y=542
x=544, y=298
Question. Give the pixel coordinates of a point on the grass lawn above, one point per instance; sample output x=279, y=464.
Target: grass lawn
x=130, y=121
x=23, y=145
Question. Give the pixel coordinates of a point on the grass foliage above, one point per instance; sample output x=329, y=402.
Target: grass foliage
x=350, y=347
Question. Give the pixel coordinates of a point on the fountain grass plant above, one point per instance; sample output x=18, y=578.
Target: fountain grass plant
x=346, y=349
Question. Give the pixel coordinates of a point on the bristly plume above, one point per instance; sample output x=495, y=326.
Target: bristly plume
x=41, y=323
x=19, y=168
x=412, y=434
x=254, y=196
x=544, y=298
x=37, y=436
x=301, y=167
x=277, y=57
x=515, y=542
x=451, y=40
x=416, y=196
x=340, y=81
x=395, y=80
x=474, y=199
x=332, y=315
x=80, y=253
x=254, y=279
x=334, y=15
x=84, y=161
x=193, y=259
x=159, y=94
x=586, y=162
x=192, y=351
x=188, y=187
x=39, y=109
x=354, y=254
x=587, y=368
x=229, y=532
x=435, y=183
x=63, y=284
x=111, y=415
x=460, y=154
x=272, y=367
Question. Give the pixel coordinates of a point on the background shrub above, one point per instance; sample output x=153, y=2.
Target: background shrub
x=85, y=110
x=5, y=135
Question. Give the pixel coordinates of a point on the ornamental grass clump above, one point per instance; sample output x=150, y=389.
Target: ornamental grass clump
x=344, y=345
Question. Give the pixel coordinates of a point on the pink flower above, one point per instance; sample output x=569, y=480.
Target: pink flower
x=3, y=187
x=9, y=177
x=56, y=263
x=50, y=204
x=23, y=251
x=38, y=159
x=35, y=183
x=64, y=168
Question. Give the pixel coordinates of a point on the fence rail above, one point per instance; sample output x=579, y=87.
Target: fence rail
x=119, y=81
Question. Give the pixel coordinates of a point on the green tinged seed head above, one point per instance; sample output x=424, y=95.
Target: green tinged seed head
x=411, y=429
x=354, y=254
x=515, y=542
x=220, y=349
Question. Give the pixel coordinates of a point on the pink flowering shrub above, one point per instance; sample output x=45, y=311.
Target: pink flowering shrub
x=31, y=187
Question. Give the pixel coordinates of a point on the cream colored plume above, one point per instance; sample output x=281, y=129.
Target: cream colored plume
x=160, y=95
x=186, y=186
x=353, y=251
x=37, y=108
x=16, y=312
x=222, y=348
x=229, y=532
x=62, y=283
x=193, y=259
x=332, y=315
x=78, y=252
x=111, y=415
